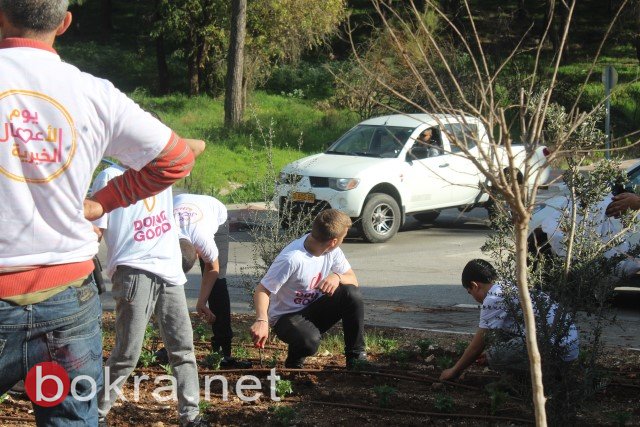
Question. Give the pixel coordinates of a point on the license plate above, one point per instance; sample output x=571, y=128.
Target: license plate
x=303, y=197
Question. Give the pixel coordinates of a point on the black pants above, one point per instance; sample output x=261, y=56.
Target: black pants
x=220, y=305
x=302, y=330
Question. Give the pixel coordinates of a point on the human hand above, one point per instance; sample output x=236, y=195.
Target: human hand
x=259, y=333
x=97, y=231
x=448, y=374
x=621, y=203
x=205, y=313
x=482, y=359
x=329, y=285
x=92, y=209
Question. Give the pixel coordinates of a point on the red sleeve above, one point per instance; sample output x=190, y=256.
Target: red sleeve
x=174, y=162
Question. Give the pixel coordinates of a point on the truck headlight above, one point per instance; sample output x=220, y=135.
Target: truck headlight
x=343, y=184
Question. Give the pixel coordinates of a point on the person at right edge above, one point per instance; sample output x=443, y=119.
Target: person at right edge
x=56, y=123
x=202, y=220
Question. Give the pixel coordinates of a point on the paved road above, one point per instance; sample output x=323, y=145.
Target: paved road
x=412, y=281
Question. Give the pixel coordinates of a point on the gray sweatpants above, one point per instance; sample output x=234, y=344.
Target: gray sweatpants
x=139, y=294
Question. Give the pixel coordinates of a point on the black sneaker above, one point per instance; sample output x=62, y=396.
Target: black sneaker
x=231, y=363
x=102, y=422
x=297, y=363
x=162, y=357
x=197, y=422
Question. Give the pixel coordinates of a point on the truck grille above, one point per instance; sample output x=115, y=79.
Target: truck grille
x=319, y=181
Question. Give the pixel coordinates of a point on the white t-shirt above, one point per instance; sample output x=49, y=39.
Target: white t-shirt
x=198, y=218
x=56, y=123
x=294, y=275
x=603, y=227
x=143, y=235
x=494, y=315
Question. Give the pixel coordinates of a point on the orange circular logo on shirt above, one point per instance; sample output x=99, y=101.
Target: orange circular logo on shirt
x=37, y=137
x=186, y=214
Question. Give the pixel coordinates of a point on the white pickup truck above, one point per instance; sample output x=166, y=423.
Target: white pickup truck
x=377, y=173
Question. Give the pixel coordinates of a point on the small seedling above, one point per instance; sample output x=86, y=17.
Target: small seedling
x=384, y=393
x=425, y=346
x=3, y=398
x=444, y=361
x=498, y=398
x=273, y=362
x=167, y=368
x=213, y=360
x=388, y=344
x=149, y=334
x=200, y=333
x=460, y=347
x=147, y=358
x=204, y=406
x=283, y=388
x=284, y=414
x=400, y=355
x=241, y=353
x=443, y=403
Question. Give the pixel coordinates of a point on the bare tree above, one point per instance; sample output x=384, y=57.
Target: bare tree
x=233, y=100
x=439, y=88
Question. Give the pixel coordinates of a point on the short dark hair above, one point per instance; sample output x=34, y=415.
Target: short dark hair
x=478, y=270
x=39, y=16
x=189, y=254
x=330, y=224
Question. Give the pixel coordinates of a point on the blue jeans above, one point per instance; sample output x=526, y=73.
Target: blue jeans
x=64, y=329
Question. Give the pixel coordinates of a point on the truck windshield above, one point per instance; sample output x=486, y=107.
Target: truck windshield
x=372, y=141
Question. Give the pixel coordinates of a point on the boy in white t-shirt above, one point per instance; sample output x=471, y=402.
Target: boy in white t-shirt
x=479, y=279
x=310, y=287
x=202, y=220
x=144, y=262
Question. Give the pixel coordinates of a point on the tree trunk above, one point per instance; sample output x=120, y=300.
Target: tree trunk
x=637, y=37
x=107, y=9
x=535, y=362
x=161, y=55
x=192, y=65
x=163, y=68
x=233, y=99
x=559, y=15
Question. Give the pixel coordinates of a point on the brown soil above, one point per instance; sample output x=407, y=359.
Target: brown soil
x=325, y=394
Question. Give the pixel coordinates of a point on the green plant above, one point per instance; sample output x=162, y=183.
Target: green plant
x=425, y=345
x=149, y=334
x=443, y=403
x=200, y=332
x=444, y=361
x=213, y=360
x=168, y=369
x=147, y=358
x=400, y=355
x=241, y=352
x=384, y=393
x=273, y=362
x=204, y=406
x=3, y=398
x=284, y=414
x=498, y=398
x=333, y=343
x=283, y=388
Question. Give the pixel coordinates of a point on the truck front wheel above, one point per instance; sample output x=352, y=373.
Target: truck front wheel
x=380, y=218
